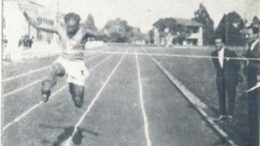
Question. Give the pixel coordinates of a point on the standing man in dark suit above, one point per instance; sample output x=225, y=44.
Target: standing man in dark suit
x=253, y=77
x=227, y=79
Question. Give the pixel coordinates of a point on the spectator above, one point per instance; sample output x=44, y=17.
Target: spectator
x=21, y=41
x=227, y=79
x=253, y=77
x=30, y=42
x=26, y=41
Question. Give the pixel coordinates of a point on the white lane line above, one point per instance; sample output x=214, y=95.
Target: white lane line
x=36, y=82
x=101, y=62
x=25, y=74
x=200, y=106
x=23, y=88
x=40, y=103
x=39, y=69
x=31, y=109
x=145, y=118
x=180, y=55
x=68, y=141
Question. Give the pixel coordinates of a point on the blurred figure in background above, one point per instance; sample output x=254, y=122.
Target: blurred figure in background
x=30, y=42
x=227, y=79
x=20, y=43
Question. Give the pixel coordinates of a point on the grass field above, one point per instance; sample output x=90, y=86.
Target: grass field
x=128, y=101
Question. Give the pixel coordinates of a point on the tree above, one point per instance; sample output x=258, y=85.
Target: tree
x=90, y=23
x=135, y=35
x=162, y=24
x=202, y=16
x=119, y=31
x=116, y=30
x=230, y=29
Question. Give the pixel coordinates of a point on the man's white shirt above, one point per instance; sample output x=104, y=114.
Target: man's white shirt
x=254, y=44
x=258, y=83
x=221, y=53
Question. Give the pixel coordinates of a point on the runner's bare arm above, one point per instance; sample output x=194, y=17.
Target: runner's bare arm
x=34, y=21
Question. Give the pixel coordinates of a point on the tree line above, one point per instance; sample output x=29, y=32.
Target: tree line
x=230, y=29
x=118, y=31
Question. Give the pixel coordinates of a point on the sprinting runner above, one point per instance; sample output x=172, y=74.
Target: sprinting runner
x=73, y=39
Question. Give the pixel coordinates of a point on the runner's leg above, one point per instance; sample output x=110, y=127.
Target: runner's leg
x=77, y=93
x=57, y=70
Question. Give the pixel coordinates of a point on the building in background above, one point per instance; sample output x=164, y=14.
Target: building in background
x=17, y=30
x=196, y=31
x=185, y=32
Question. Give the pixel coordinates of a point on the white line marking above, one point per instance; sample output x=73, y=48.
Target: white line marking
x=23, y=88
x=254, y=87
x=195, y=101
x=40, y=103
x=145, y=118
x=40, y=80
x=41, y=69
x=25, y=74
x=101, y=62
x=68, y=141
x=180, y=55
x=31, y=109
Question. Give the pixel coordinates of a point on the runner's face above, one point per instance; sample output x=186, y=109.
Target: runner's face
x=72, y=26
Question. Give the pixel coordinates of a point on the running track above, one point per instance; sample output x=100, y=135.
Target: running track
x=128, y=102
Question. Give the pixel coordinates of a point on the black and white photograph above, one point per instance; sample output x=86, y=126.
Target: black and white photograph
x=130, y=73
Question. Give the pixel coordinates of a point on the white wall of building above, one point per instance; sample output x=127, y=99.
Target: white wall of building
x=168, y=38
x=198, y=36
x=200, y=40
x=16, y=26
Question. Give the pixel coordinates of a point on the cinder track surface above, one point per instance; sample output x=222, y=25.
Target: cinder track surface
x=128, y=102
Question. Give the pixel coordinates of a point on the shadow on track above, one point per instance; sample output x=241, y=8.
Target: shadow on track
x=67, y=132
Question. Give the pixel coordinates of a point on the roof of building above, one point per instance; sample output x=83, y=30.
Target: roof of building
x=188, y=22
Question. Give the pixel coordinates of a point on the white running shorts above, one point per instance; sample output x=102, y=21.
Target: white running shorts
x=75, y=70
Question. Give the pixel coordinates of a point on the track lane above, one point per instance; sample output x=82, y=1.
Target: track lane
x=24, y=99
x=173, y=121
x=117, y=115
x=20, y=69
x=22, y=81
x=57, y=114
x=76, y=129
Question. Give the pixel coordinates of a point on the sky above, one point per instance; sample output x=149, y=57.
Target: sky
x=143, y=13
